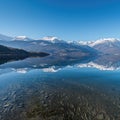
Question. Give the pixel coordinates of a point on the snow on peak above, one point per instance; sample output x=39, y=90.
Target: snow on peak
x=50, y=38
x=82, y=42
x=102, y=41
x=94, y=43
x=20, y=38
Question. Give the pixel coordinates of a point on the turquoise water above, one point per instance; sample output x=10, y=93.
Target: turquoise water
x=59, y=93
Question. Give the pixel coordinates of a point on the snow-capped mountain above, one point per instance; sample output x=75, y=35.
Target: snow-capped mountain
x=108, y=41
x=80, y=42
x=107, y=46
x=22, y=38
x=4, y=37
x=52, y=39
x=111, y=42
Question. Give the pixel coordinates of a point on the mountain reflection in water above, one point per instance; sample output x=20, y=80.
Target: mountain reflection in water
x=50, y=89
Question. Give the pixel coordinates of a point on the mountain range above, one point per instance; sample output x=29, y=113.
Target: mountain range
x=61, y=49
x=51, y=45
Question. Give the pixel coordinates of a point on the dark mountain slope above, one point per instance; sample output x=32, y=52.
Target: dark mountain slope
x=8, y=53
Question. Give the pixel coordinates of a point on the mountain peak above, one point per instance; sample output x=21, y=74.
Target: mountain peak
x=109, y=39
x=20, y=38
x=104, y=40
x=50, y=38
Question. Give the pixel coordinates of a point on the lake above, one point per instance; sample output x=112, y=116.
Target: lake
x=33, y=90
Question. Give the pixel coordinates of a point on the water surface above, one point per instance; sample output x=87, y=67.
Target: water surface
x=38, y=91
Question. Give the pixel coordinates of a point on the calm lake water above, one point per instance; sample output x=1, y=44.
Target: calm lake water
x=64, y=92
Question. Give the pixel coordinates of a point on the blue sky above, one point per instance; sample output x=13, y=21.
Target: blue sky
x=66, y=19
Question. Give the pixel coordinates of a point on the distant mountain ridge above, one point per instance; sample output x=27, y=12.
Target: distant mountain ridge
x=54, y=45
x=105, y=46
